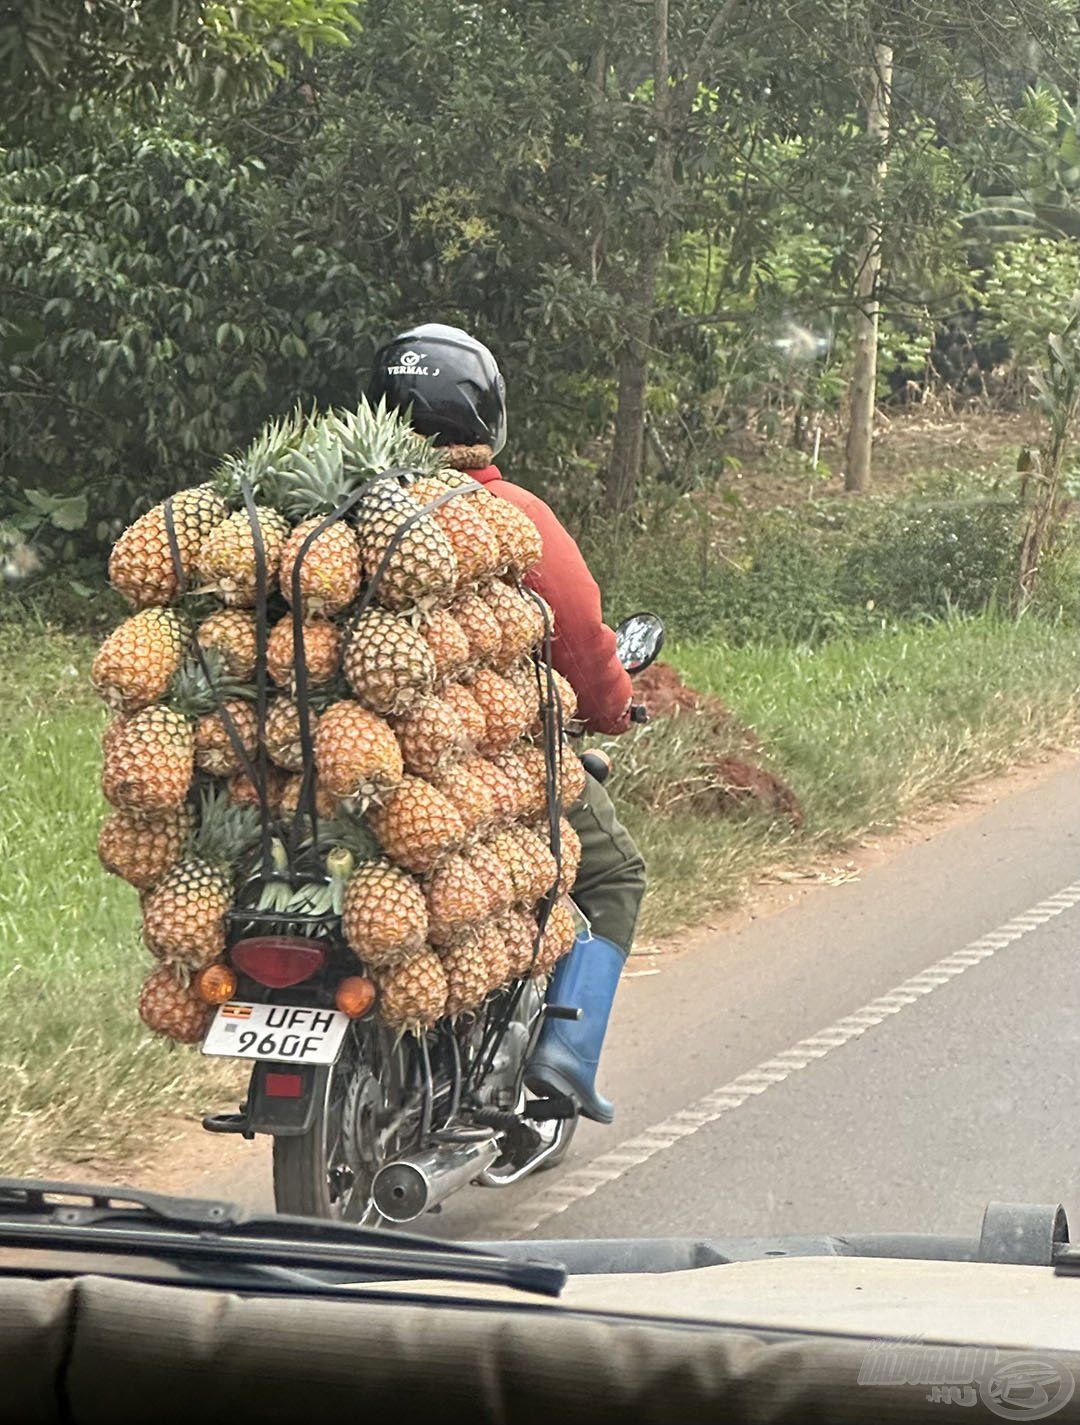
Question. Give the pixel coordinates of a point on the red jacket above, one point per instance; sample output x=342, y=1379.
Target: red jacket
x=582, y=647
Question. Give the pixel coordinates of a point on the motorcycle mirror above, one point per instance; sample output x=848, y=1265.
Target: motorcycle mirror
x=638, y=641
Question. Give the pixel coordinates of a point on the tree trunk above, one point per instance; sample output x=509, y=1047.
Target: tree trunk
x=1044, y=490
x=627, y=449
x=860, y=438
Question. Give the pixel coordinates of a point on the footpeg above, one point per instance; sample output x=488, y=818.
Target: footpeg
x=543, y=1110
x=229, y=1123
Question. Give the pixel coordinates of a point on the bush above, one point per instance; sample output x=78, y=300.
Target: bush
x=829, y=568
x=926, y=560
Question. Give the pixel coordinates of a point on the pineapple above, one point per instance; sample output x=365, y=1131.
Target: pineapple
x=184, y=915
x=149, y=760
x=388, y=664
x=431, y=737
x=281, y=735
x=456, y=898
x=469, y=789
x=521, y=623
x=519, y=933
x=231, y=633
x=137, y=661
x=141, y=846
x=525, y=676
x=449, y=647
x=506, y=713
x=141, y=563
x=243, y=792
x=293, y=798
x=543, y=872
x=468, y=977
x=468, y=710
x=558, y=937
x=111, y=732
x=322, y=643
x=474, y=542
x=520, y=544
x=417, y=826
x=356, y=753
x=526, y=768
x=308, y=482
x=571, y=777
x=227, y=564
x=480, y=626
x=557, y=711
x=169, y=1005
x=496, y=954
x=494, y=875
x=528, y=860
x=412, y=993
x=410, y=568
x=215, y=750
x=384, y=916
x=504, y=792
x=569, y=856
x=330, y=572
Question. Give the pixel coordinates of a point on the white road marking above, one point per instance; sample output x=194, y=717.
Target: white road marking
x=572, y=1187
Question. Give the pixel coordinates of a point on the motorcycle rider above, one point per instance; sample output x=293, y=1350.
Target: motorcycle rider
x=451, y=384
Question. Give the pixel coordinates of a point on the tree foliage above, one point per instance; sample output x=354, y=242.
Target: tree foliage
x=653, y=212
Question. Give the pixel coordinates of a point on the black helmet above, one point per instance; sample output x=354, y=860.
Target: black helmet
x=449, y=379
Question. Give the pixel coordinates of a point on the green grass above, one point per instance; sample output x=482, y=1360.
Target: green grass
x=82, y=1078
x=866, y=730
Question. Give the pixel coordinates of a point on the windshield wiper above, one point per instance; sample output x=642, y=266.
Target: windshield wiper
x=126, y=1221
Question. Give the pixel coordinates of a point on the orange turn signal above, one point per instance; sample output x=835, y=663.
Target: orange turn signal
x=355, y=995
x=216, y=984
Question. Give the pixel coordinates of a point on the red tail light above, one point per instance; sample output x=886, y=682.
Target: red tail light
x=278, y=960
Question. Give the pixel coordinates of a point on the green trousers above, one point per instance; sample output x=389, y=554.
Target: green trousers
x=611, y=882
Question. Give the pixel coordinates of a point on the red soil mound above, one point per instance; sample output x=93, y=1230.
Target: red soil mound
x=729, y=782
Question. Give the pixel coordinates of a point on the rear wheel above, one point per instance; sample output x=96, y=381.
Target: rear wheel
x=361, y=1124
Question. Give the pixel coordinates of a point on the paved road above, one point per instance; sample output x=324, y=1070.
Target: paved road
x=811, y=1071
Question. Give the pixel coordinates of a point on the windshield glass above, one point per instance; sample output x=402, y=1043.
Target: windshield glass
x=362, y=369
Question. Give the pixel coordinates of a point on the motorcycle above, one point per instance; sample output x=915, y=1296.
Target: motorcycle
x=371, y=1125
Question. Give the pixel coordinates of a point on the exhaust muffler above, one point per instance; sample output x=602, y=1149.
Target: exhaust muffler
x=412, y=1185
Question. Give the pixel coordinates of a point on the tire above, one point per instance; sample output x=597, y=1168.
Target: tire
x=327, y=1171
x=301, y=1188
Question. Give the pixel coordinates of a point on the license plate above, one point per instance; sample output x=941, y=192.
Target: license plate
x=286, y=1033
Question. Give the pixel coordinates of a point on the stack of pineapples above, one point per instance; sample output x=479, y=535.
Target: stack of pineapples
x=393, y=785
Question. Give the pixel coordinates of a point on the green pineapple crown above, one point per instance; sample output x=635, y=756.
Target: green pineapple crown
x=305, y=464
x=196, y=690
x=310, y=478
x=263, y=457
x=349, y=834
x=225, y=831
x=378, y=438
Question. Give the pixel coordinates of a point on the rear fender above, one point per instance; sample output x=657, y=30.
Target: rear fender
x=278, y=1104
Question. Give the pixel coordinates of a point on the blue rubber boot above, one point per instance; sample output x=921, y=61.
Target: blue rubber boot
x=567, y=1053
